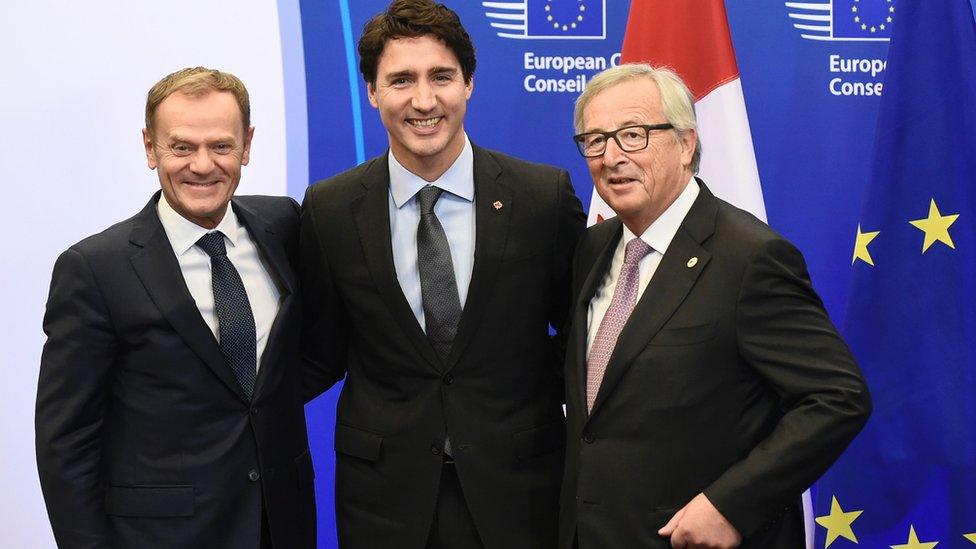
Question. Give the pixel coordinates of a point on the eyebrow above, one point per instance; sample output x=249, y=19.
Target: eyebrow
x=407, y=73
x=182, y=138
x=443, y=70
x=628, y=122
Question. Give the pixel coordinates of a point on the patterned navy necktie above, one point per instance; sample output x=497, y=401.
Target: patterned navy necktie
x=238, y=337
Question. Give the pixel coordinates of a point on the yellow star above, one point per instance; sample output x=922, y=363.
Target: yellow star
x=861, y=249
x=838, y=523
x=913, y=542
x=936, y=227
x=970, y=537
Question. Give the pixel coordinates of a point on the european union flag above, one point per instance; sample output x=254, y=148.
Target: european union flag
x=863, y=18
x=565, y=18
x=909, y=480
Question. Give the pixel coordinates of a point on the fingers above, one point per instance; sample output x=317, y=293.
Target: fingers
x=668, y=529
x=678, y=540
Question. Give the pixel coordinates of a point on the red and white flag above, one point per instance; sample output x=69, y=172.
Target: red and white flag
x=693, y=39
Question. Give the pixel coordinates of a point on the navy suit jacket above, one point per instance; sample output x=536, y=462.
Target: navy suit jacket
x=500, y=392
x=727, y=379
x=144, y=436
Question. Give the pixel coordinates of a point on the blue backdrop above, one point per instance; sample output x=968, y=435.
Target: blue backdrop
x=811, y=95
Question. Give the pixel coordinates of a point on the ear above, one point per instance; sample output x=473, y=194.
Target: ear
x=371, y=94
x=150, y=151
x=469, y=88
x=246, y=156
x=688, y=139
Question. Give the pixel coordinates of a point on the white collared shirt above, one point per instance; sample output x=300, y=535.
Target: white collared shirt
x=262, y=293
x=455, y=211
x=659, y=236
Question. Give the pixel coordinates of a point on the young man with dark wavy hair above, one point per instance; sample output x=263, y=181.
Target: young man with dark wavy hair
x=433, y=273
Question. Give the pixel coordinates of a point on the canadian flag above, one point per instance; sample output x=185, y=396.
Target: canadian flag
x=693, y=39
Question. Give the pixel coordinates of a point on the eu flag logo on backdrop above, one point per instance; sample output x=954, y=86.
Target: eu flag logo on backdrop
x=909, y=480
x=552, y=19
x=844, y=20
x=863, y=18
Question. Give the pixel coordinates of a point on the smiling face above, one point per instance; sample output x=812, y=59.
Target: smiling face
x=198, y=148
x=421, y=96
x=639, y=185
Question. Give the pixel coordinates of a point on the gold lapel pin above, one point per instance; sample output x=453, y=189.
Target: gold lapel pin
x=497, y=204
x=692, y=262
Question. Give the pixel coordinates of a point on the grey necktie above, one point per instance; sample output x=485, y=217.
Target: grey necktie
x=442, y=306
x=234, y=317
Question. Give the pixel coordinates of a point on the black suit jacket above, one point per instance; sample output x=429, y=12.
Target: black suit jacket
x=500, y=393
x=728, y=379
x=144, y=435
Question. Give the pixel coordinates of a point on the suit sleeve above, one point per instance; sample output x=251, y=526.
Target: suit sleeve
x=784, y=335
x=72, y=396
x=570, y=224
x=324, y=324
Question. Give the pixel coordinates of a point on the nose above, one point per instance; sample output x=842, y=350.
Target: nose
x=201, y=161
x=613, y=155
x=424, y=99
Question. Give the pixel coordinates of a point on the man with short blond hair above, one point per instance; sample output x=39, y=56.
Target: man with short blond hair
x=706, y=386
x=169, y=411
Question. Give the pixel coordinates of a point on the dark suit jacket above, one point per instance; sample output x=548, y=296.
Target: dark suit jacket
x=728, y=379
x=500, y=393
x=144, y=435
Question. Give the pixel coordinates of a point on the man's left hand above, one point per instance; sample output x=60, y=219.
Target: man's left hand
x=699, y=524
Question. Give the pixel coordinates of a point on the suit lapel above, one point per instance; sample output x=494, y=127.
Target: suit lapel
x=371, y=212
x=671, y=283
x=271, y=247
x=491, y=234
x=273, y=251
x=158, y=269
x=598, y=269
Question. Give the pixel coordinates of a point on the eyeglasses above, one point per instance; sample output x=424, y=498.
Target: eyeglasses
x=629, y=139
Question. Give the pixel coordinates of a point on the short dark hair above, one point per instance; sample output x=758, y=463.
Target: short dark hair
x=413, y=19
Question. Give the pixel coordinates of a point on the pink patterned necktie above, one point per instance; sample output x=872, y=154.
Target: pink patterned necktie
x=621, y=305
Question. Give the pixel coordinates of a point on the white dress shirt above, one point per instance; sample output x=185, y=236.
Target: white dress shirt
x=658, y=235
x=455, y=211
x=262, y=293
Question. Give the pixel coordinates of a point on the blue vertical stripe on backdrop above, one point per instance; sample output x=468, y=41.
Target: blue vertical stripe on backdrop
x=296, y=105
x=353, y=73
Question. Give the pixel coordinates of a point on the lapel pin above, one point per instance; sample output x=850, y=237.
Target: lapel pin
x=497, y=204
x=692, y=262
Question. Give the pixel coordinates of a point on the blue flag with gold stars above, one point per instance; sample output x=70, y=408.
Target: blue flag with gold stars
x=863, y=18
x=565, y=18
x=909, y=480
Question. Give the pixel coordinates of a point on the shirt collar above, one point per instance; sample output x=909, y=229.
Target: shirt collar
x=457, y=180
x=183, y=233
x=661, y=232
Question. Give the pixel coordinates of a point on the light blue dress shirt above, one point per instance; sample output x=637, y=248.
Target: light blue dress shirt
x=454, y=209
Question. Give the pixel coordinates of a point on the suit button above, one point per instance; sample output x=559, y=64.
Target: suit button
x=254, y=411
x=448, y=379
x=435, y=450
x=588, y=437
x=253, y=475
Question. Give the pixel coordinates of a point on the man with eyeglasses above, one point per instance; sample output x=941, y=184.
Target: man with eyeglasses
x=706, y=386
